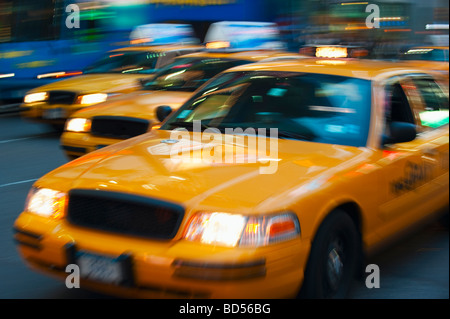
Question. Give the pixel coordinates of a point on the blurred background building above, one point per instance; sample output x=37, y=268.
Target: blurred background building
x=35, y=40
x=37, y=20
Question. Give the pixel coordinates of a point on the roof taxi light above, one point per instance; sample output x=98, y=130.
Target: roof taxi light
x=217, y=45
x=331, y=52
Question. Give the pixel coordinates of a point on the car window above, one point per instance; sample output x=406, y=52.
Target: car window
x=315, y=107
x=165, y=59
x=125, y=62
x=397, y=106
x=433, y=111
x=188, y=74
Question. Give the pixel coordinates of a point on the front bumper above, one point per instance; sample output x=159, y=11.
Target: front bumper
x=78, y=144
x=174, y=269
x=45, y=113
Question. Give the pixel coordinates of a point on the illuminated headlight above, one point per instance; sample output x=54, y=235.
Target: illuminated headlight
x=46, y=202
x=78, y=125
x=35, y=97
x=231, y=230
x=92, y=98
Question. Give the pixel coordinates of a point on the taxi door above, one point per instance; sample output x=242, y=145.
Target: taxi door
x=410, y=169
x=433, y=116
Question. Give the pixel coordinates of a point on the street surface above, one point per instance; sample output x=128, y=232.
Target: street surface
x=415, y=268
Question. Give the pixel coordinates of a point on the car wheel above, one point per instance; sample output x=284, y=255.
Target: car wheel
x=333, y=262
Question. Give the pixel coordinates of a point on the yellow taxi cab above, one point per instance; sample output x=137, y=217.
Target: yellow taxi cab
x=274, y=180
x=133, y=114
x=119, y=72
x=430, y=57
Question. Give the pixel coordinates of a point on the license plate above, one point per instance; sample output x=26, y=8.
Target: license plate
x=100, y=268
x=50, y=114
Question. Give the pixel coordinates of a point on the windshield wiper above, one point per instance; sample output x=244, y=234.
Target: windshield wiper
x=188, y=124
x=168, y=88
x=294, y=135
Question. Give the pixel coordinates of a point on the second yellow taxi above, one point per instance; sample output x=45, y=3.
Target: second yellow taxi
x=117, y=73
x=433, y=58
x=136, y=113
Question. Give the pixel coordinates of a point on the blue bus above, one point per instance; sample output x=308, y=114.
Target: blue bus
x=37, y=47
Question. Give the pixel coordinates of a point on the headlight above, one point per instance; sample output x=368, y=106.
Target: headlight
x=230, y=230
x=46, y=202
x=92, y=98
x=78, y=125
x=35, y=97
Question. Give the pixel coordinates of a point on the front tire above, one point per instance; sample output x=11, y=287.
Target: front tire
x=334, y=259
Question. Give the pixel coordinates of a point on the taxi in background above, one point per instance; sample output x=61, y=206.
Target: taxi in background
x=119, y=72
x=336, y=51
x=136, y=113
x=429, y=57
x=348, y=156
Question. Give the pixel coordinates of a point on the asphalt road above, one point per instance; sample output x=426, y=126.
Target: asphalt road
x=415, y=268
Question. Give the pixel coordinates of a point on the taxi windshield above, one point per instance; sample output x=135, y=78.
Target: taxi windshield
x=188, y=74
x=313, y=107
x=125, y=62
x=439, y=55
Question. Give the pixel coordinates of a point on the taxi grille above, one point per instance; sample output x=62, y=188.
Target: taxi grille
x=61, y=97
x=118, y=127
x=124, y=213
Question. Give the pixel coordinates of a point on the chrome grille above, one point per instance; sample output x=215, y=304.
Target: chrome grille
x=61, y=97
x=118, y=127
x=124, y=213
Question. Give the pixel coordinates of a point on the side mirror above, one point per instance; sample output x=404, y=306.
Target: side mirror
x=268, y=117
x=400, y=132
x=142, y=81
x=162, y=112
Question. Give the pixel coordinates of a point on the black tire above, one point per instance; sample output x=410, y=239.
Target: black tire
x=334, y=259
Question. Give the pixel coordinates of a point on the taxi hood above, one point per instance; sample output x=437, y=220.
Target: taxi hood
x=92, y=83
x=144, y=166
x=140, y=104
